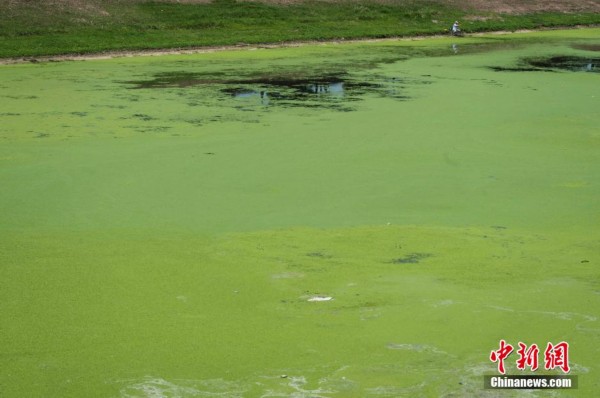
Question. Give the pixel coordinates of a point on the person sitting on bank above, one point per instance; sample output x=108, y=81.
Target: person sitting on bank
x=455, y=28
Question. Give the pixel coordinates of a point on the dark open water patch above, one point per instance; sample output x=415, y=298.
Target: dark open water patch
x=329, y=90
x=553, y=64
x=587, y=47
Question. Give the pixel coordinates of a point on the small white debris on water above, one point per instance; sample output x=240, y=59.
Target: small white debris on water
x=320, y=298
x=444, y=303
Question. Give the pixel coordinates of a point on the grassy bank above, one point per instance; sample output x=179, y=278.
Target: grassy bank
x=30, y=29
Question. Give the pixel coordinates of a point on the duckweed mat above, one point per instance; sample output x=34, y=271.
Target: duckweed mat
x=357, y=220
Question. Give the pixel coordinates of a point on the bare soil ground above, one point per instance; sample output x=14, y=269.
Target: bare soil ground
x=522, y=7
x=485, y=6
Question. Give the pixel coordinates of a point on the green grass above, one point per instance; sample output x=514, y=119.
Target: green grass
x=36, y=30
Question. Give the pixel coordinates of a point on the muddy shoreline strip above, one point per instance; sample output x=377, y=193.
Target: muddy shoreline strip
x=248, y=47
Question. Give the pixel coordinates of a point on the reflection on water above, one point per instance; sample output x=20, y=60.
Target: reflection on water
x=334, y=89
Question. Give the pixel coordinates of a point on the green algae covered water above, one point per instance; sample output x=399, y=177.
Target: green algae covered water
x=340, y=220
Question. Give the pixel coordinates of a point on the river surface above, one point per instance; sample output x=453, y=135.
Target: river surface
x=336, y=220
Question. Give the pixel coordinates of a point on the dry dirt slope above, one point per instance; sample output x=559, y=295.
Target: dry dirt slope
x=527, y=6
x=500, y=6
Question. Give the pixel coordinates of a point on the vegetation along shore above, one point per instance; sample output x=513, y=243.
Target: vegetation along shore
x=30, y=29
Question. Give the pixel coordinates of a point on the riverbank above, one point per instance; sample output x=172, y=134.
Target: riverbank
x=212, y=49
x=110, y=27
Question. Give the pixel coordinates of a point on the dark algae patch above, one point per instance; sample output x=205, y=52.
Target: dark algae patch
x=179, y=79
x=554, y=63
x=331, y=90
x=412, y=258
x=587, y=47
x=318, y=255
x=570, y=63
